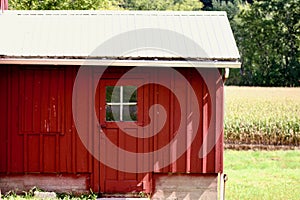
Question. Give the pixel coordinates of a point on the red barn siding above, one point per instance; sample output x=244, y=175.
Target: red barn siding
x=3, y=4
x=38, y=135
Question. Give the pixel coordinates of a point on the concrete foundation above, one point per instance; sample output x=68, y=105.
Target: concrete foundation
x=56, y=183
x=185, y=187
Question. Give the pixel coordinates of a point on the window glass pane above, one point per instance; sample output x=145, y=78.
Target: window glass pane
x=121, y=103
x=112, y=94
x=112, y=113
x=129, y=94
x=130, y=113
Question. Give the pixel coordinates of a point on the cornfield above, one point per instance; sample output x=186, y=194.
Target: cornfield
x=268, y=116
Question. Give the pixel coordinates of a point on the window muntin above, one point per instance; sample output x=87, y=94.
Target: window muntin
x=121, y=103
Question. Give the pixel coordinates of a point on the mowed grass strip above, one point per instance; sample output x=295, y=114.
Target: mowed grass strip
x=256, y=115
x=267, y=175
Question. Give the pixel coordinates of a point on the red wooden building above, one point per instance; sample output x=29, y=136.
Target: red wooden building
x=118, y=102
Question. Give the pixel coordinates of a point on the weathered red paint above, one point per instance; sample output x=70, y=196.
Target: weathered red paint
x=38, y=135
x=3, y=4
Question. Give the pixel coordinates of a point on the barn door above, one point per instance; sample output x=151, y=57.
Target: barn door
x=121, y=113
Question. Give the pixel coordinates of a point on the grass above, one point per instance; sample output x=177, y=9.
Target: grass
x=31, y=195
x=256, y=115
x=268, y=175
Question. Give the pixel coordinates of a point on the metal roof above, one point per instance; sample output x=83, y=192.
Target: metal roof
x=166, y=35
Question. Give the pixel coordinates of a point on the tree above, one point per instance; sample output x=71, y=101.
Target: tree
x=62, y=4
x=267, y=34
x=105, y=4
x=231, y=8
x=268, y=39
x=188, y=5
x=211, y=4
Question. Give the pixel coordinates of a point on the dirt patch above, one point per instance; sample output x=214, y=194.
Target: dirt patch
x=245, y=147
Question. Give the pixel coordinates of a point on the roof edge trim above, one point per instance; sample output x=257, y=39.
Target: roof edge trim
x=111, y=62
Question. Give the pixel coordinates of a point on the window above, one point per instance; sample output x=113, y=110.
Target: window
x=121, y=103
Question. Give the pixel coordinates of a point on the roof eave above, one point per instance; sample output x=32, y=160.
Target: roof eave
x=117, y=62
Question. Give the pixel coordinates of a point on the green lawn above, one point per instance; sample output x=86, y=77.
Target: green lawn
x=262, y=175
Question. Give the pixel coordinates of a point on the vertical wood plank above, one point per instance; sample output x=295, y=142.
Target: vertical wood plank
x=66, y=141
x=9, y=117
x=205, y=100
x=49, y=164
x=16, y=141
x=41, y=153
x=189, y=125
x=27, y=115
x=37, y=93
x=196, y=162
x=120, y=139
x=57, y=155
x=4, y=88
x=152, y=140
x=73, y=134
x=96, y=173
x=220, y=121
x=164, y=137
x=53, y=106
x=172, y=120
x=181, y=114
x=91, y=130
x=25, y=153
x=45, y=100
x=32, y=150
x=81, y=153
x=213, y=113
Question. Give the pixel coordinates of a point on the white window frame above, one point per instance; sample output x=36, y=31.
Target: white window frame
x=121, y=104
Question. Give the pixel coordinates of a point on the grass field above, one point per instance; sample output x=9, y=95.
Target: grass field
x=267, y=175
x=256, y=115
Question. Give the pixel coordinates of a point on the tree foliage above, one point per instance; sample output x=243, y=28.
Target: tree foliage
x=268, y=34
x=187, y=5
x=231, y=8
x=162, y=5
x=63, y=4
x=268, y=38
x=214, y=4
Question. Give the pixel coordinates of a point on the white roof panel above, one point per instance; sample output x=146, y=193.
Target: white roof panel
x=135, y=34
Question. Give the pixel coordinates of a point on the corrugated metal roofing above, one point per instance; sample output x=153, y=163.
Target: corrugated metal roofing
x=115, y=34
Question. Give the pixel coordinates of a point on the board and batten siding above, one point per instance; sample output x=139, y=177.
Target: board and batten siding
x=38, y=137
